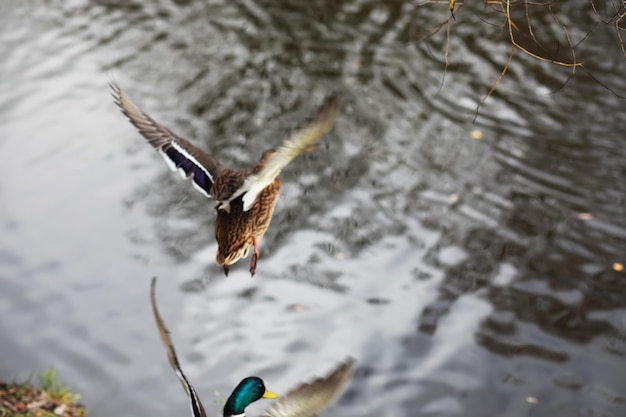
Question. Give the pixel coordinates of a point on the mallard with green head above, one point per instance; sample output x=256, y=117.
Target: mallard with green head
x=306, y=400
x=246, y=199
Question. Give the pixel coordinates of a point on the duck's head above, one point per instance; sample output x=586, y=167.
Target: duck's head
x=248, y=391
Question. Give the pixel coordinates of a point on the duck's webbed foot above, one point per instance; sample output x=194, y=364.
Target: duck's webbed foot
x=255, y=256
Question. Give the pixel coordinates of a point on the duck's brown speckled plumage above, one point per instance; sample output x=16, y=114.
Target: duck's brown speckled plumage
x=236, y=237
x=246, y=198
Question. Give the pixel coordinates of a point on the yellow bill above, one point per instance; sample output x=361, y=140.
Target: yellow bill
x=269, y=394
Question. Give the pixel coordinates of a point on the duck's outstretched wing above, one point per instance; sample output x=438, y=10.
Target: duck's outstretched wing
x=309, y=399
x=301, y=140
x=197, y=409
x=180, y=154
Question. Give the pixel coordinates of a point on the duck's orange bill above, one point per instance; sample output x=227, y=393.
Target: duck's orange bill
x=269, y=394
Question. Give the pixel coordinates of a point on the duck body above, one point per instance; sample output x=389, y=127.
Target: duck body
x=247, y=198
x=237, y=230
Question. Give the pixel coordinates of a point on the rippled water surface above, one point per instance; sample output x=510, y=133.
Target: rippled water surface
x=468, y=277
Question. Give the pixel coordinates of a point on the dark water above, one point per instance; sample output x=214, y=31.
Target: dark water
x=468, y=277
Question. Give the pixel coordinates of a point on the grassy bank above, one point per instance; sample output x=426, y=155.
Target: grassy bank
x=50, y=399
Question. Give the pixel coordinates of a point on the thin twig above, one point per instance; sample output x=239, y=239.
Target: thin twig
x=567, y=36
x=445, y=58
x=504, y=69
x=526, y=51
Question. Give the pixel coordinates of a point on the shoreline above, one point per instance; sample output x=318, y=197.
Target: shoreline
x=51, y=398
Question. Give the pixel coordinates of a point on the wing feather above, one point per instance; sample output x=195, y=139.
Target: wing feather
x=197, y=409
x=301, y=140
x=310, y=398
x=179, y=154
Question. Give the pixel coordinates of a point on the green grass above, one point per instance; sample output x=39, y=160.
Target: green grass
x=25, y=400
x=49, y=381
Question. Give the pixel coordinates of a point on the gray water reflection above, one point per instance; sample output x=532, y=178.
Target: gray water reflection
x=466, y=276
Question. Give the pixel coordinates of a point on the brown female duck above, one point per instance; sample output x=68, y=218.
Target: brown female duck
x=246, y=198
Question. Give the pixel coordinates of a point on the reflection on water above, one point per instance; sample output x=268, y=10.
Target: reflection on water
x=467, y=276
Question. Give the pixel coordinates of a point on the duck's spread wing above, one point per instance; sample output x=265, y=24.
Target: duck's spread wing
x=197, y=409
x=309, y=399
x=301, y=140
x=180, y=154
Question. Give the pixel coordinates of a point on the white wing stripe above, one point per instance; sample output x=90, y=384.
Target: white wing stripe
x=168, y=161
x=192, y=159
x=202, y=190
x=181, y=171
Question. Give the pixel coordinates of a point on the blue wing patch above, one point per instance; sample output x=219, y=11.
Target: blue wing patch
x=188, y=167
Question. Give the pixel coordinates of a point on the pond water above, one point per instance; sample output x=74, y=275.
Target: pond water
x=466, y=276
